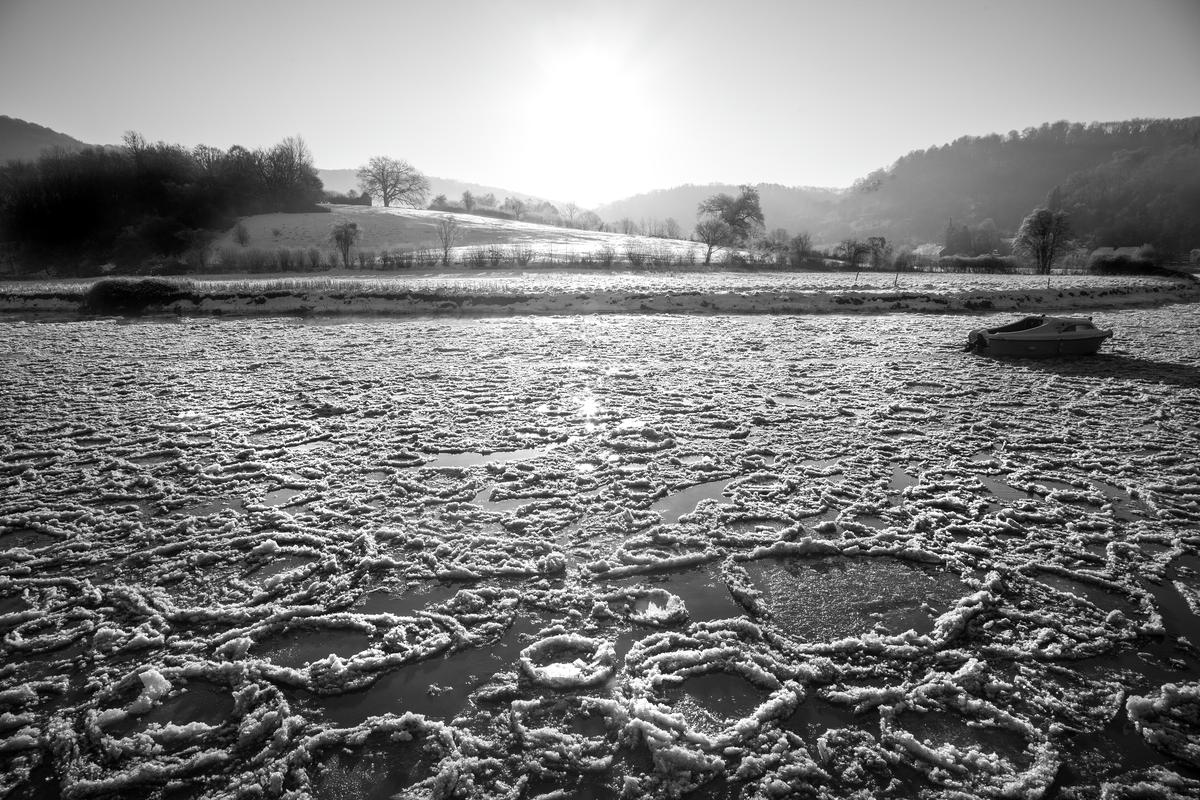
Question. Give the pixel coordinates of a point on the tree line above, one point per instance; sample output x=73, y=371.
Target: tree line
x=137, y=202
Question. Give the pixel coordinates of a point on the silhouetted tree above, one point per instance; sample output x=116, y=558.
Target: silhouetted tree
x=289, y=176
x=343, y=236
x=1044, y=236
x=393, y=180
x=468, y=201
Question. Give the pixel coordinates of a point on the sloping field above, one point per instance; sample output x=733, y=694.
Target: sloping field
x=409, y=229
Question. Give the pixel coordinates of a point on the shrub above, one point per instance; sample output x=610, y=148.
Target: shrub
x=241, y=235
x=129, y=296
x=660, y=256
x=255, y=259
x=476, y=258
x=314, y=258
x=606, y=255
x=522, y=254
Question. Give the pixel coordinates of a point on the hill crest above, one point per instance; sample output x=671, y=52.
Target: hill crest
x=26, y=141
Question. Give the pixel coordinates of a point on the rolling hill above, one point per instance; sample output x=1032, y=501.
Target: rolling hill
x=1124, y=183
x=25, y=141
x=796, y=208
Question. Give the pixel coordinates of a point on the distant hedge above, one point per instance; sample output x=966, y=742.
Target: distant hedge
x=130, y=296
x=1123, y=263
x=986, y=264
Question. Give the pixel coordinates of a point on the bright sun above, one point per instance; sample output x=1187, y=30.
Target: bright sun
x=585, y=103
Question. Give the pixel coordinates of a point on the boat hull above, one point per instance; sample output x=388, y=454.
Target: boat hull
x=1040, y=348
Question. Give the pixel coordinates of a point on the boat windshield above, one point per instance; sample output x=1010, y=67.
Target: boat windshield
x=1020, y=325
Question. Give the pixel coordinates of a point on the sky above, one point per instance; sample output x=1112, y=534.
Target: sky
x=595, y=101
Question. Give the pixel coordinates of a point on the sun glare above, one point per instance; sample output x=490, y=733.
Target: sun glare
x=583, y=107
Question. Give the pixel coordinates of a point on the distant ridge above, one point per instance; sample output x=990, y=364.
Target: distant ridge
x=793, y=207
x=1123, y=183
x=26, y=141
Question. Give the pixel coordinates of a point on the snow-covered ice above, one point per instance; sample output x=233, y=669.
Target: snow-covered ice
x=597, y=556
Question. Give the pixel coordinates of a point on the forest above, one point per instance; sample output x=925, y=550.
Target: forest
x=1122, y=184
x=133, y=204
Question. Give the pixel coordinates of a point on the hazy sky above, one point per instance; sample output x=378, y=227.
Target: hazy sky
x=593, y=101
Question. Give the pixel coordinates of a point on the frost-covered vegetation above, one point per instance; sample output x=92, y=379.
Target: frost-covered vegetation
x=588, y=291
x=826, y=556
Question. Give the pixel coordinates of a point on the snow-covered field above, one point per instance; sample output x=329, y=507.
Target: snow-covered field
x=597, y=556
x=409, y=229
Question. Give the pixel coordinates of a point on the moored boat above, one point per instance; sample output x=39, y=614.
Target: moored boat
x=1040, y=337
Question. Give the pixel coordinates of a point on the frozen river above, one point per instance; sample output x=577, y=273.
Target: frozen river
x=597, y=557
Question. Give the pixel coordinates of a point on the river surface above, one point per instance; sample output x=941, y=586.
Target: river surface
x=596, y=557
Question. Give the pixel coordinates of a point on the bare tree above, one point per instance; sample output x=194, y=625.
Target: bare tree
x=343, y=236
x=671, y=229
x=743, y=214
x=134, y=142
x=468, y=200
x=714, y=233
x=852, y=251
x=209, y=159
x=571, y=210
x=393, y=180
x=800, y=246
x=1044, y=236
x=449, y=234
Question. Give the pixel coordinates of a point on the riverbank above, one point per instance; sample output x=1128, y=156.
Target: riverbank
x=524, y=294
